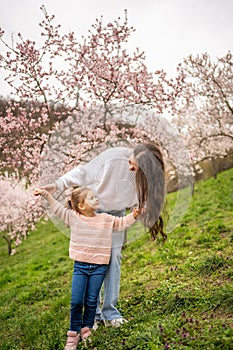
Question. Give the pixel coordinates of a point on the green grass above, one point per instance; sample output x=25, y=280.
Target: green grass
x=177, y=295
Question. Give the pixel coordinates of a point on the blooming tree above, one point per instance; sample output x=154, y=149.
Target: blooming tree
x=37, y=77
x=114, y=76
x=204, y=111
x=19, y=211
x=73, y=98
x=97, y=71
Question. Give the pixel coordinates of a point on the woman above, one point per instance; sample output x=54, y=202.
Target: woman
x=121, y=177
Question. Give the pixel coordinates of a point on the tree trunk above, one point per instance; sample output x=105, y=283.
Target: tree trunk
x=8, y=243
x=215, y=169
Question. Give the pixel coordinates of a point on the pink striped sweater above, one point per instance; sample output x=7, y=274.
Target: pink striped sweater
x=91, y=237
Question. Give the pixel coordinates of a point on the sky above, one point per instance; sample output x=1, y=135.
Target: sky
x=166, y=30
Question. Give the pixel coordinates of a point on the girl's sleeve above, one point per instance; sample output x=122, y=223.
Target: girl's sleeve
x=123, y=222
x=61, y=212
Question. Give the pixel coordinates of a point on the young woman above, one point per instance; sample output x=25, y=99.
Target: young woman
x=90, y=248
x=121, y=177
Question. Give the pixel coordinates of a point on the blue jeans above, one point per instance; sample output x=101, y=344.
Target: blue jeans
x=86, y=283
x=112, y=280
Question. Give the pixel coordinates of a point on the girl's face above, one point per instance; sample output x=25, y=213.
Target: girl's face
x=132, y=163
x=91, y=201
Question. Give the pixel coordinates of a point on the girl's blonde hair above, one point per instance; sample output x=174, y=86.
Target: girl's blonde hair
x=78, y=196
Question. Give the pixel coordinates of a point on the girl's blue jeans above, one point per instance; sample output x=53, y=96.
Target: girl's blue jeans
x=86, y=283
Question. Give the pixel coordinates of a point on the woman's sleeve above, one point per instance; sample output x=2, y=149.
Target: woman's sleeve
x=91, y=173
x=71, y=178
x=123, y=222
x=82, y=175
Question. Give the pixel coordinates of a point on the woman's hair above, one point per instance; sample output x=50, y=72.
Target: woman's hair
x=150, y=186
x=78, y=196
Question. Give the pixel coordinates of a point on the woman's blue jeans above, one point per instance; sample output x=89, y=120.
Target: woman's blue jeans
x=109, y=310
x=86, y=283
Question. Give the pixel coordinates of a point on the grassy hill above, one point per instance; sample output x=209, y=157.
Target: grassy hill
x=177, y=295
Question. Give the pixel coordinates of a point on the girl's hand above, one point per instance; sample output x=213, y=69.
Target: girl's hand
x=43, y=193
x=37, y=192
x=137, y=212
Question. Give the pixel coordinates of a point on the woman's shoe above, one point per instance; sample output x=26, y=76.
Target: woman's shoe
x=98, y=323
x=116, y=322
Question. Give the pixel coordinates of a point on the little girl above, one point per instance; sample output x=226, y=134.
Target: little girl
x=90, y=248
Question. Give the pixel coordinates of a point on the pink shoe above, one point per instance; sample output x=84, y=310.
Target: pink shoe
x=73, y=338
x=85, y=335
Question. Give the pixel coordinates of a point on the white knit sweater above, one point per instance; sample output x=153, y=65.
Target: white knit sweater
x=108, y=176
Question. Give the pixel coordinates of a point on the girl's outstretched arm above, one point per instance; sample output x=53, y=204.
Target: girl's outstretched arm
x=57, y=208
x=121, y=223
x=45, y=194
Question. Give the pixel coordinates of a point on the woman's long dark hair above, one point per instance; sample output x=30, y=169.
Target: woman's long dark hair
x=150, y=186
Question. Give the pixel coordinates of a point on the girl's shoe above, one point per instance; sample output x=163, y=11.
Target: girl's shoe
x=85, y=335
x=73, y=338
